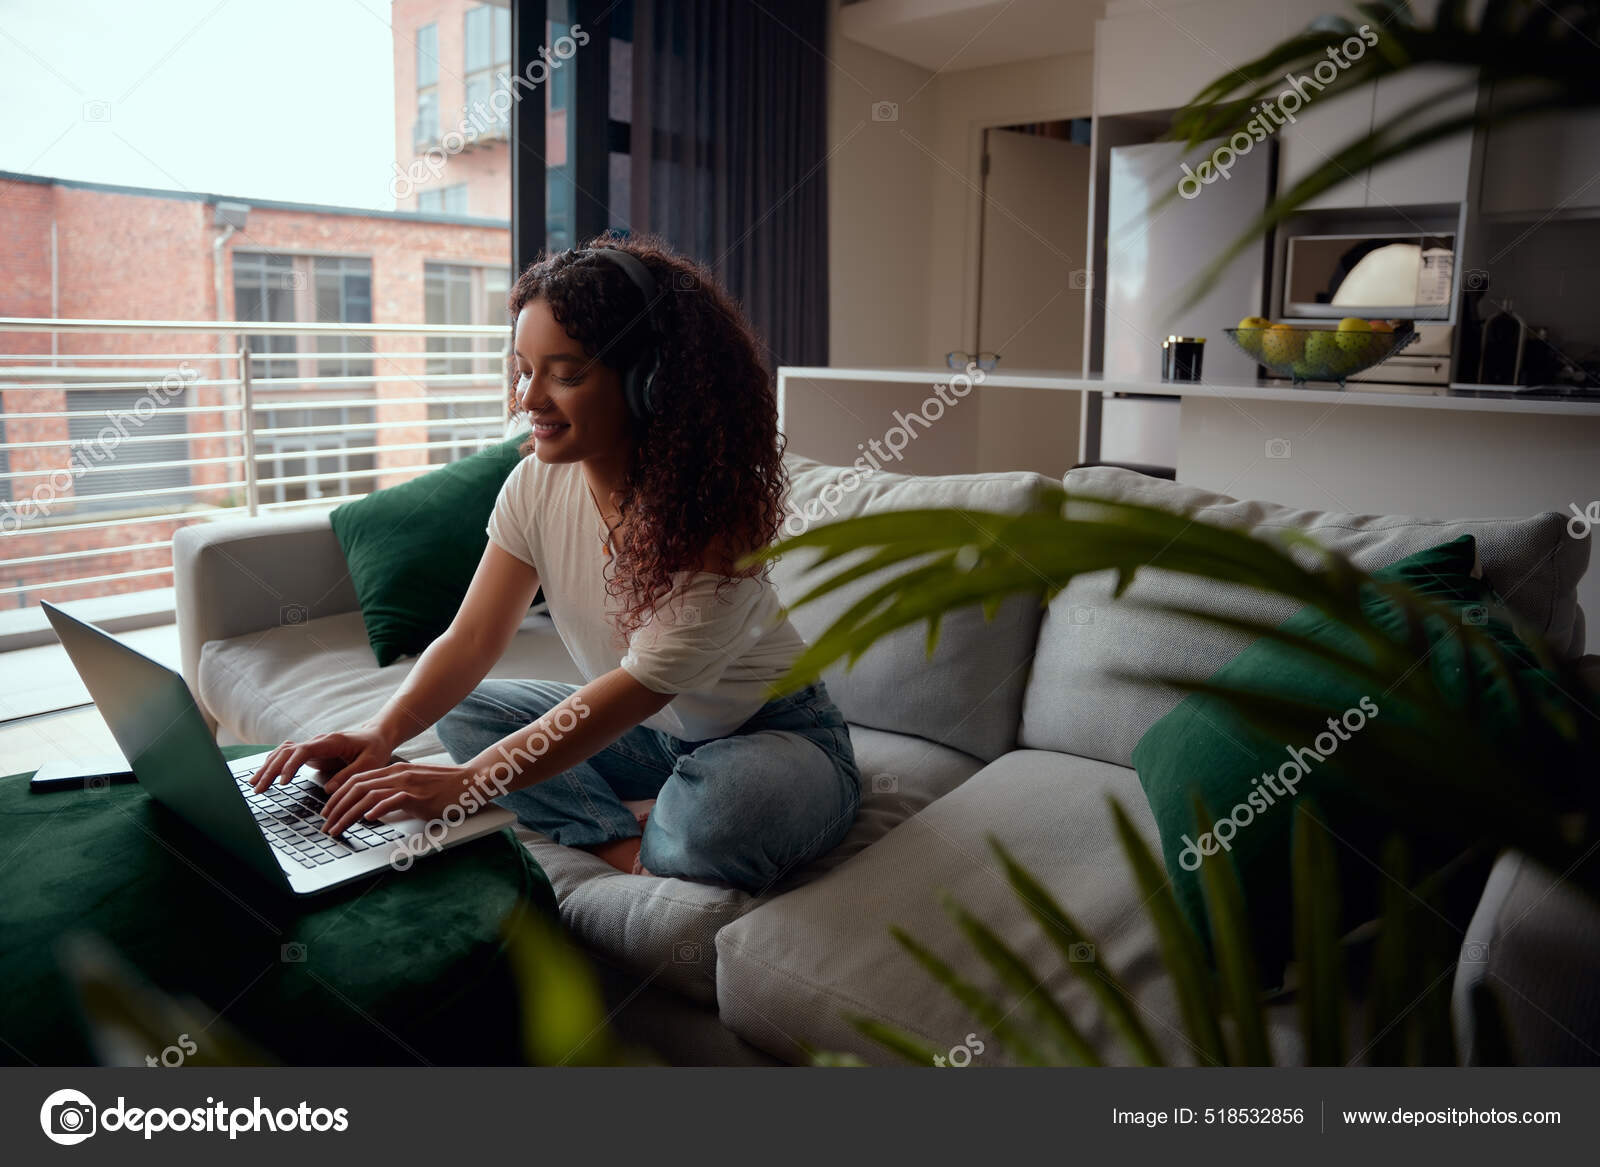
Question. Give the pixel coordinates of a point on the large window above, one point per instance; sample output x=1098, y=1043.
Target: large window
x=463, y=294
x=425, y=130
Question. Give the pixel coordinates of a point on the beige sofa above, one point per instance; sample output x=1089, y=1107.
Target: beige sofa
x=1012, y=728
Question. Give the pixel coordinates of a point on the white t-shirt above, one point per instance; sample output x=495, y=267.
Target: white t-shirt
x=717, y=654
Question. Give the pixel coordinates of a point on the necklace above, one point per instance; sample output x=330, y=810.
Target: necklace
x=605, y=540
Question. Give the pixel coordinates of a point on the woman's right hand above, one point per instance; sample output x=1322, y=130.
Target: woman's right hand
x=346, y=754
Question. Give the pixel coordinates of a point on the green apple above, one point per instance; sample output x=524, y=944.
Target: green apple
x=1325, y=352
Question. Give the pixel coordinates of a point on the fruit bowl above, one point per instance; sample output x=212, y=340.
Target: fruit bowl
x=1320, y=354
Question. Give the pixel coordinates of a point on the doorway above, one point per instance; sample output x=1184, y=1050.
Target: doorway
x=1033, y=288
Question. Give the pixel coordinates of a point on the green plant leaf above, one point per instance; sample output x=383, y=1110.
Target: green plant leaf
x=896, y=1041
x=1067, y=936
x=985, y=1008
x=1318, y=959
x=1234, y=951
x=563, y=1012
x=1180, y=947
x=1029, y=987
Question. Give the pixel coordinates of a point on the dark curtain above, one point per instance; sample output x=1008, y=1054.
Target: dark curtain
x=729, y=139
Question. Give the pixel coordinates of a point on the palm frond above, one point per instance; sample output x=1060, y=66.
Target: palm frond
x=1071, y=942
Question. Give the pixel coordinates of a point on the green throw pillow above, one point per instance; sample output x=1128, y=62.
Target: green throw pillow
x=412, y=548
x=1250, y=780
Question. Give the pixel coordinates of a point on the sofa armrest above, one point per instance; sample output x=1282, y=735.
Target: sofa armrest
x=248, y=575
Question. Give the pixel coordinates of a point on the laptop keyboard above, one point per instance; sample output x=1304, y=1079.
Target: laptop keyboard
x=291, y=816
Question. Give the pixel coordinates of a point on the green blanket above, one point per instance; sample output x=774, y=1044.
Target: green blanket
x=396, y=969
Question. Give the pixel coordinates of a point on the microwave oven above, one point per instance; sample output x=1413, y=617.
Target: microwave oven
x=1377, y=276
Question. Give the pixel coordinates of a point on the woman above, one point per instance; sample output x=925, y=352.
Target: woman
x=655, y=464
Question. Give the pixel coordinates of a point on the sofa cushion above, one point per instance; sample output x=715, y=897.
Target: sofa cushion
x=666, y=928
x=412, y=549
x=1251, y=778
x=968, y=695
x=789, y=971
x=1074, y=704
x=299, y=679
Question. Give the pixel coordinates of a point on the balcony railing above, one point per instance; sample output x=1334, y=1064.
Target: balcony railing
x=108, y=444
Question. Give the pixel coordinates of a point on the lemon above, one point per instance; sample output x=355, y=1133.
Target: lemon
x=1282, y=344
x=1354, y=324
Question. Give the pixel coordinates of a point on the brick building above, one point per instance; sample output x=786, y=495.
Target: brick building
x=91, y=251
x=98, y=493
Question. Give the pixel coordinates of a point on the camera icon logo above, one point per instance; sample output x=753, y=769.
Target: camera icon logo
x=293, y=614
x=1081, y=280
x=67, y=1117
x=685, y=281
x=292, y=953
x=885, y=111
x=1474, y=279
x=1475, y=614
x=1081, y=953
x=885, y=784
x=686, y=952
x=97, y=111
x=1277, y=447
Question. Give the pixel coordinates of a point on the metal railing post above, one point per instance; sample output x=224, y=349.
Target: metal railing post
x=247, y=403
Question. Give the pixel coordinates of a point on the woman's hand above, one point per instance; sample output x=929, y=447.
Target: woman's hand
x=344, y=753
x=423, y=791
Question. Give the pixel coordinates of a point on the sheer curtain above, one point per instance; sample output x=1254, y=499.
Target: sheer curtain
x=728, y=146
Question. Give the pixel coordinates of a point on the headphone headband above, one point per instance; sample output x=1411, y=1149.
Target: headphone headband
x=638, y=380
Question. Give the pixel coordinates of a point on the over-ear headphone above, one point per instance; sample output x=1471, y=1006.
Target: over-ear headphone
x=639, y=378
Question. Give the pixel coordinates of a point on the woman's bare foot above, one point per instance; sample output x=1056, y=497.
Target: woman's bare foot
x=623, y=854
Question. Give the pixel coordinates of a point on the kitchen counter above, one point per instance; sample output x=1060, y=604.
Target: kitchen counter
x=1456, y=397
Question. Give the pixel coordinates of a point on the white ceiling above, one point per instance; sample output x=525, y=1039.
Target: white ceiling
x=945, y=35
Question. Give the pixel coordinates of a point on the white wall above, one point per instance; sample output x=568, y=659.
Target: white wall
x=903, y=216
x=878, y=206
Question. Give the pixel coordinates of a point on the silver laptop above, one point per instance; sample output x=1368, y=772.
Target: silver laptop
x=163, y=735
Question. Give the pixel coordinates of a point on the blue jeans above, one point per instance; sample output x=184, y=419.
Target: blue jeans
x=743, y=810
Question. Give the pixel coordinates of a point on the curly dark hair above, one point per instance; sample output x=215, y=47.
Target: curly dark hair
x=706, y=479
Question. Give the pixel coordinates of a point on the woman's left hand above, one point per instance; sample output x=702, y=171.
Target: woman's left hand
x=422, y=791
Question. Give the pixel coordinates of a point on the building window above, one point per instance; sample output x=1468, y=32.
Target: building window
x=343, y=292
x=326, y=290
x=462, y=294
x=488, y=47
x=289, y=288
x=449, y=200
x=263, y=289
x=425, y=131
